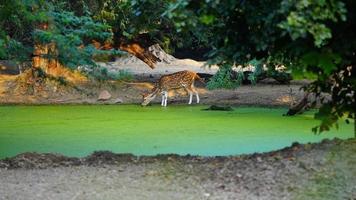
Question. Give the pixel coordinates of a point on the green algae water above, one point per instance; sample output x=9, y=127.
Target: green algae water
x=78, y=130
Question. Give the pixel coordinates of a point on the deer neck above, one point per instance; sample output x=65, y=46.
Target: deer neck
x=155, y=90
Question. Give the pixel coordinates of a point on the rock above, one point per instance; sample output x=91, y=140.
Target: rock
x=9, y=67
x=45, y=96
x=104, y=95
x=118, y=100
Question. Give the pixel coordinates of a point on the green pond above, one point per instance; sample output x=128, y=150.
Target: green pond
x=78, y=130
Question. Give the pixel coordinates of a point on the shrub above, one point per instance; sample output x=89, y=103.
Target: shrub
x=122, y=74
x=103, y=74
x=224, y=78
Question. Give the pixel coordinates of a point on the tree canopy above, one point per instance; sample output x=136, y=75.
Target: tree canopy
x=27, y=23
x=314, y=38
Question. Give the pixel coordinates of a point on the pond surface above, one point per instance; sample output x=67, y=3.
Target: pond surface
x=78, y=130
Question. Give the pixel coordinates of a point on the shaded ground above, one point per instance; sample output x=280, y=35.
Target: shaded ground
x=312, y=171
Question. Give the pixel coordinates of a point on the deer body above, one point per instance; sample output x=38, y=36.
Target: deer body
x=183, y=79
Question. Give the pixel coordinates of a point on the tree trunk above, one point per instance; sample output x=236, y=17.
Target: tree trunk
x=134, y=48
x=38, y=62
x=141, y=53
x=45, y=58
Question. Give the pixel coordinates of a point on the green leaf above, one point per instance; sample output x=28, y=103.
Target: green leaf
x=207, y=19
x=325, y=62
x=310, y=58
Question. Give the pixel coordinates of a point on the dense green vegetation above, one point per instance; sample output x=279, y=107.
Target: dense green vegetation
x=27, y=23
x=311, y=38
x=80, y=130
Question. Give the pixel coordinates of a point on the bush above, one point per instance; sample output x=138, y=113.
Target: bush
x=122, y=74
x=225, y=78
x=103, y=74
x=281, y=77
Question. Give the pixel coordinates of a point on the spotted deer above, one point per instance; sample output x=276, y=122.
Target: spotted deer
x=183, y=79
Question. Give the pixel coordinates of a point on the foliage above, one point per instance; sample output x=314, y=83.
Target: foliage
x=70, y=33
x=224, y=79
x=308, y=17
x=129, y=18
x=74, y=24
x=281, y=77
x=134, y=18
x=2, y=49
x=16, y=23
x=103, y=74
x=254, y=76
x=316, y=37
x=21, y=23
x=123, y=74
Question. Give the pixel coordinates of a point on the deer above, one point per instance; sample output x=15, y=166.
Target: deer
x=182, y=79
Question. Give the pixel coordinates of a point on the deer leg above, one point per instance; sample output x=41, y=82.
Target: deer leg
x=190, y=97
x=163, y=98
x=196, y=93
x=190, y=94
x=166, y=98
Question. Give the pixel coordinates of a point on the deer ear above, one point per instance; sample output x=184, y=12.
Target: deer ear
x=145, y=93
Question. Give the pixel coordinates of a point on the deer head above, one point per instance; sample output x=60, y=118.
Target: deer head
x=147, y=98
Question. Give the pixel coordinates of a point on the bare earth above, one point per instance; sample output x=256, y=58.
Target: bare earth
x=268, y=93
x=313, y=171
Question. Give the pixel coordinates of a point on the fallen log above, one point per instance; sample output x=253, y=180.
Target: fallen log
x=219, y=108
x=299, y=107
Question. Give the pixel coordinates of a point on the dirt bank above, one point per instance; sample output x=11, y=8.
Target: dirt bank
x=263, y=94
x=312, y=171
x=267, y=93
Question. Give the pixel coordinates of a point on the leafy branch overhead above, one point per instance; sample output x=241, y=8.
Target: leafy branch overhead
x=312, y=38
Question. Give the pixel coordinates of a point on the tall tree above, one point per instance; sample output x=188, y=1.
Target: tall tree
x=33, y=30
